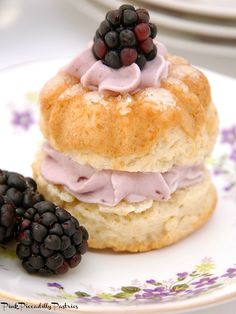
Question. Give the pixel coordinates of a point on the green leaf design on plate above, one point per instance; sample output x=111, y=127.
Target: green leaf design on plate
x=184, y=286
x=105, y=296
x=130, y=289
x=82, y=294
x=157, y=284
x=207, y=275
x=122, y=295
x=67, y=296
x=216, y=286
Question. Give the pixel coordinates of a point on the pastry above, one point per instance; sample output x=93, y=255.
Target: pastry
x=127, y=129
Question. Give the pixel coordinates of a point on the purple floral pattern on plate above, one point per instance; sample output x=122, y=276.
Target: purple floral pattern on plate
x=184, y=285
x=230, y=273
x=23, y=119
x=224, y=165
x=228, y=135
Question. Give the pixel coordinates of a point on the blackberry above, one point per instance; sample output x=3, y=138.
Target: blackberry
x=125, y=28
x=50, y=240
x=22, y=191
x=18, y=193
x=7, y=220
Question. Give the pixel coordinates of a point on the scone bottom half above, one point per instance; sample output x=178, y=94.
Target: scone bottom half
x=127, y=129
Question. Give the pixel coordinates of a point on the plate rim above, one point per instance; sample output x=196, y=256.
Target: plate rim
x=193, y=27
x=195, y=8
x=172, y=308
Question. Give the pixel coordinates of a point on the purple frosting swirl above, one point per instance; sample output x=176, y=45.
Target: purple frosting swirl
x=95, y=75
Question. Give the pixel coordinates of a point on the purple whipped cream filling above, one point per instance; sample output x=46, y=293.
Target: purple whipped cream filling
x=95, y=75
x=109, y=187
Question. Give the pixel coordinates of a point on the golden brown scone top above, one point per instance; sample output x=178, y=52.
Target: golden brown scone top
x=124, y=128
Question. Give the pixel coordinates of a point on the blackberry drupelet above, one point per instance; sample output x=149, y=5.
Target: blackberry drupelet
x=124, y=37
x=7, y=220
x=50, y=239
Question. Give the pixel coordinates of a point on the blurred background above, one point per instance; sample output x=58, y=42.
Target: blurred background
x=204, y=31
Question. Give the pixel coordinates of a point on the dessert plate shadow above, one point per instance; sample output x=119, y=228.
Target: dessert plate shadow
x=196, y=272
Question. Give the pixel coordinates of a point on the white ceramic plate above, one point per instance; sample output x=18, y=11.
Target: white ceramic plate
x=216, y=8
x=199, y=26
x=198, y=271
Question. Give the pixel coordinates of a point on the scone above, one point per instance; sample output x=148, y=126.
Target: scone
x=127, y=129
